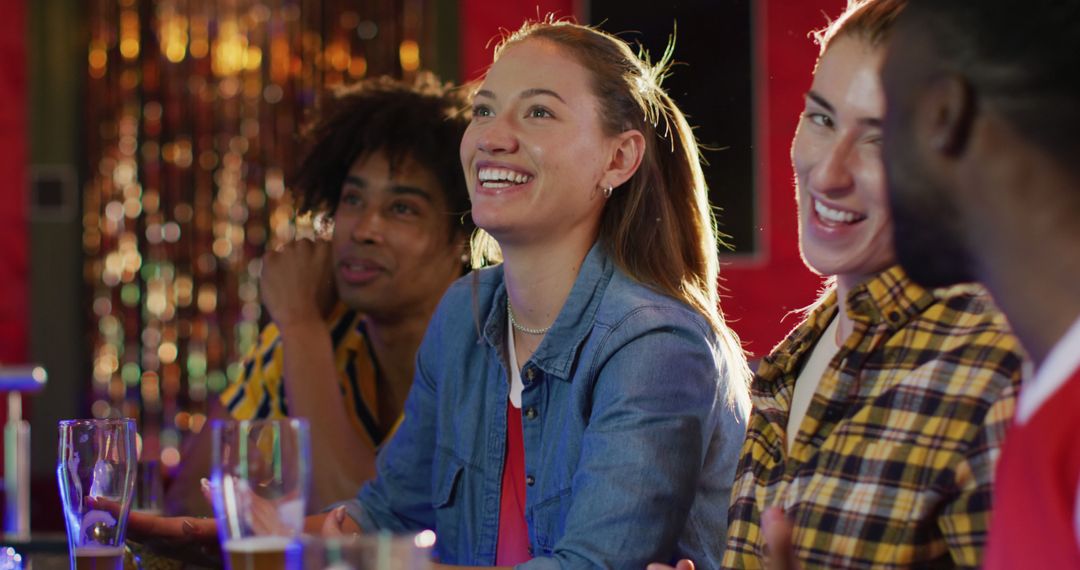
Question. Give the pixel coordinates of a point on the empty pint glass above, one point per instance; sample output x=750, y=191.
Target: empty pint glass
x=259, y=482
x=96, y=472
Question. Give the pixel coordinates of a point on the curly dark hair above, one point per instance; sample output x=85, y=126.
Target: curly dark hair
x=424, y=120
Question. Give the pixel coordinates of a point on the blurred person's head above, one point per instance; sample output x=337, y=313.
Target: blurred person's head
x=382, y=167
x=982, y=114
x=845, y=228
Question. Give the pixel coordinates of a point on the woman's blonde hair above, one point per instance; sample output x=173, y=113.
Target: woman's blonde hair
x=658, y=227
x=867, y=20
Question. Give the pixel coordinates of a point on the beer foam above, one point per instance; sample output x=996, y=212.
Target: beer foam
x=98, y=551
x=253, y=544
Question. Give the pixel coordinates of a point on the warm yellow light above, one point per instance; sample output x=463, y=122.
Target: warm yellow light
x=183, y=288
x=107, y=364
x=129, y=34
x=129, y=48
x=409, y=53
x=358, y=66
x=230, y=50
x=222, y=248
x=207, y=298
x=279, y=59
x=200, y=34
x=337, y=54
x=167, y=352
x=175, y=52
x=199, y=48
x=156, y=303
x=98, y=57
x=174, y=37
x=151, y=201
x=184, y=156
x=132, y=208
x=253, y=58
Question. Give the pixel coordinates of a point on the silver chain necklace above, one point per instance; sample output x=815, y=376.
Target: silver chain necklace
x=522, y=328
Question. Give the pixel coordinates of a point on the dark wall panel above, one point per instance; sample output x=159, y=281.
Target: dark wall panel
x=711, y=82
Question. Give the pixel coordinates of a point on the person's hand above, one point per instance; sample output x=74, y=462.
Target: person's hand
x=261, y=515
x=297, y=282
x=777, y=530
x=683, y=564
x=144, y=526
x=337, y=523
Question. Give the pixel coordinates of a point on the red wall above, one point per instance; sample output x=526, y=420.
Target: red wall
x=14, y=271
x=483, y=20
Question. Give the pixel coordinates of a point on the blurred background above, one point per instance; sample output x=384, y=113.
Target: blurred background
x=145, y=146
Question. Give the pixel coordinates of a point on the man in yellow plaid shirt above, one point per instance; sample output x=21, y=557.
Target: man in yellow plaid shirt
x=349, y=312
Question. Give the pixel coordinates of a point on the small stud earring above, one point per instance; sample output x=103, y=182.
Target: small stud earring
x=608, y=191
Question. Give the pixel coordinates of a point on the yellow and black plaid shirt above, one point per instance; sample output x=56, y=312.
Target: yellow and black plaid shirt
x=259, y=392
x=893, y=464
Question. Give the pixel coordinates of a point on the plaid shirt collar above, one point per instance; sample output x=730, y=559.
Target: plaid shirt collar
x=890, y=298
x=883, y=303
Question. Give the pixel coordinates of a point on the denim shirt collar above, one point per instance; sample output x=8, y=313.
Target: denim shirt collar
x=575, y=320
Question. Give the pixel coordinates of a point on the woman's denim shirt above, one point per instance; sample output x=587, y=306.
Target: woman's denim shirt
x=632, y=427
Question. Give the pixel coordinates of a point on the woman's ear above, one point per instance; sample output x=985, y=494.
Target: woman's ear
x=627, y=151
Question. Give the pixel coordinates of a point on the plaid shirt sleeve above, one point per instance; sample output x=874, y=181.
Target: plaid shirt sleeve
x=893, y=464
x=964, y=521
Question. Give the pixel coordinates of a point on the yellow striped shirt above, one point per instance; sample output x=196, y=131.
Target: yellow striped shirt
x=259, y=392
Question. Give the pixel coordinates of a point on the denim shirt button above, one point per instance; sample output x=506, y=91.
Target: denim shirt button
x=530, y=375
x=530, y=480
x=530, y=413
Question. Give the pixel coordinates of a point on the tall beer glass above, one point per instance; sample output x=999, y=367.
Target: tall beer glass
x=259, y=481
x=96, y=472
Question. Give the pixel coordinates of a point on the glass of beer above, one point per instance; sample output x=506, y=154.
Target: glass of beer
x=259, y=482
x=381, y=551
x=96, y=472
